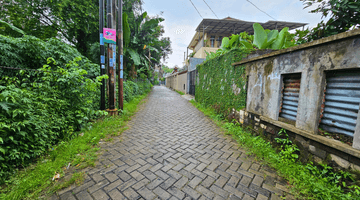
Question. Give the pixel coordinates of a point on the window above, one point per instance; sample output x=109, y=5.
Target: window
x=290, y=97
x=219, y=40
x=212, y=41
x=341, y=99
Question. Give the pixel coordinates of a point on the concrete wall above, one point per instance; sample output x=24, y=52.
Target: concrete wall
x=193, y=62
x=171, y=81
x=177, y=82
x=181, y=82
x=201, y=52
x=312, y=60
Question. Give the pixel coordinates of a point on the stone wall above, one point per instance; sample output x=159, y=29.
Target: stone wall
x=310, y=149
x=313, y=61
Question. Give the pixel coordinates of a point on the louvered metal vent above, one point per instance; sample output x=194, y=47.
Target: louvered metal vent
x=290, y=96
x=341, y=105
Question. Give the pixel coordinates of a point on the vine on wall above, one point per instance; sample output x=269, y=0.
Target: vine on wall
x=222, y=85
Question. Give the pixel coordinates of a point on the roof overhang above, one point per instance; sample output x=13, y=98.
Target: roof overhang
x=229, y=26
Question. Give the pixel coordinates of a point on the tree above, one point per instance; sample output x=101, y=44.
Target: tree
x=143, y=45
x=74, y=21
x=166, y=69
x=344, y=16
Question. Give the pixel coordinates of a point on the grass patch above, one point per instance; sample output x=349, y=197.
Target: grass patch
x=306, y=181
x=181, y=93
x=35, y=181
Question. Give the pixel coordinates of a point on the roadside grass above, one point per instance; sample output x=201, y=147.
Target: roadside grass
x=181, y=93
x=305, y=181
x=35, y=181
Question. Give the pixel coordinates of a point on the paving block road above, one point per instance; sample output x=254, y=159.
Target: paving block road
x=172, y=151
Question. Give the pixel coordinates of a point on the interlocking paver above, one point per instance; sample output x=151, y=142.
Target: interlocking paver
x=172, y=151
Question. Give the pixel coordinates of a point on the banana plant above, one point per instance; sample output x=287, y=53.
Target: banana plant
x=140, y=36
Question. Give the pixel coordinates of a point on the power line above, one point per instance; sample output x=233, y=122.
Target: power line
x=211, y=9
x=196, y=9
x=260, y=9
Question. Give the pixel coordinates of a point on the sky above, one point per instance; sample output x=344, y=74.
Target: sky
x=181, y=18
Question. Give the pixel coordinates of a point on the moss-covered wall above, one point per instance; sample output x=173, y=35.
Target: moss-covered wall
x=220, y=85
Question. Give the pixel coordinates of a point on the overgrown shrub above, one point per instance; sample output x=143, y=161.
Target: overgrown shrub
x=41, y=108
x=132, y=89
x=31, y=52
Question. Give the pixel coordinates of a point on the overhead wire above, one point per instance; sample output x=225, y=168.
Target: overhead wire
x=210, y=9
x=260, y=9
x=196, y=9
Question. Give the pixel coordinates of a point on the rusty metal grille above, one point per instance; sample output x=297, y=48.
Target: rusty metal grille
x=290, y=96
x=341, y=102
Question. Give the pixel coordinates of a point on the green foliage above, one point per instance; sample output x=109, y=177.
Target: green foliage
x=10, y=30
x=31, y=52
x=142, y=35
x=306, y=181
x=167, y=69
x=288, y=149
x=35, y=181
x=220, y=84
x=262, y=39
x=343, y=15
x=42, y=109
x=179, y=92
x=132, y=89
x=76, y=21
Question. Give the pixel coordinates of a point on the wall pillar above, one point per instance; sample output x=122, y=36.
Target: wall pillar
x=356, y=140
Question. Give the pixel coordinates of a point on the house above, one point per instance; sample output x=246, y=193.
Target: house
x=210, y=32
x=209, y=35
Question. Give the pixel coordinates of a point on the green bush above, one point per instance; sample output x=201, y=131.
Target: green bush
x=38, y=109
x=132, y=89
x=31, y=52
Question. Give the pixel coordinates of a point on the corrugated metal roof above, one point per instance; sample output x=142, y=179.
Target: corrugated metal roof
x=220, y=26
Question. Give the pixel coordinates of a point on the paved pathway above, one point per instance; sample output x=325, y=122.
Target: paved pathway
x=172, y=151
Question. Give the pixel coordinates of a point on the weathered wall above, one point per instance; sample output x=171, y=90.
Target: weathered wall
x=181, y=82
x=310, y=149
x=193, y=62
x=265, y=79
x=314, y=61
x=171, y=81
x=201, y=52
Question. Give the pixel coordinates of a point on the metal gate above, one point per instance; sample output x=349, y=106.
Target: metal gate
x=290, y=96
x=341, y=102
x=192, y=82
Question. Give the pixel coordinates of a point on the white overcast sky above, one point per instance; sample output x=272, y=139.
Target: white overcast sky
x=181, y=18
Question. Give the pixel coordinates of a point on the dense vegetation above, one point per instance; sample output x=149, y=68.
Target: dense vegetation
x=343, y=15
x=220, y=84
x=35, y=181
x=77, y=23
x=56, y=92
x=40, y=108
x=29, y=52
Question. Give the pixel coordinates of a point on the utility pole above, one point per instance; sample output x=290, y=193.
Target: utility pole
x=111, y=23
x=102, y=54
x=120, y=57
